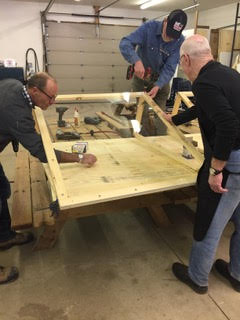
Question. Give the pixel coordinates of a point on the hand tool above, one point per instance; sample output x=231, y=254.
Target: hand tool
x=79, y=147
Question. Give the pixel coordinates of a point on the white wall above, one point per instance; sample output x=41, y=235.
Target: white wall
x=21, y=27
x=20, y=30
x=219, y=17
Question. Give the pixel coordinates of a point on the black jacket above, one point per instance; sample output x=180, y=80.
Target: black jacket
x=16, y=120
x=217, y=94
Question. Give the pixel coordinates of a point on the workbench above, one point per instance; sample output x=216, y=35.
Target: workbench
x=130, y=173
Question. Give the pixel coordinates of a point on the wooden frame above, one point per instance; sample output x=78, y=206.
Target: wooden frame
x=182, y=96
x=71, y=185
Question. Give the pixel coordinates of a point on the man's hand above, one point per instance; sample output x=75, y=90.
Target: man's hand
x=167, y=117
x=88, y=159
x=215, y=183
x=153, y=92
x=139, y=69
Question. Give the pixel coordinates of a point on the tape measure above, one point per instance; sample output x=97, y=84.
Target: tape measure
x=79, y=147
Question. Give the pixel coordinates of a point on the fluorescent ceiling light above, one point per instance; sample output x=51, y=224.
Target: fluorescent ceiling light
x=150, y=3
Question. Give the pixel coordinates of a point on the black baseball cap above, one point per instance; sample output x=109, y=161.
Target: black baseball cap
x=176, y=22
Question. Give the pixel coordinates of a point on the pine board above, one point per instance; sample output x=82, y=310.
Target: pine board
x=125, y=168
x=21, y=205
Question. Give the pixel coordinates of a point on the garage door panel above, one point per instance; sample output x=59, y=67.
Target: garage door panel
x=88, y=30
x=61, y=57
x=93, y=64
x=97, y=85
x=71, y=30
x=66, y=72
x=115, y=32
x=76, y=44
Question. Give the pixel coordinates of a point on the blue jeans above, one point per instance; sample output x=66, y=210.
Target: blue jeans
x=203, y=252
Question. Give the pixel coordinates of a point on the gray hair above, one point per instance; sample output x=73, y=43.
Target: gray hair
x=196, y=46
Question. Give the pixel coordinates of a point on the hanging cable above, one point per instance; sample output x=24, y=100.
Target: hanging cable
x=31, y=68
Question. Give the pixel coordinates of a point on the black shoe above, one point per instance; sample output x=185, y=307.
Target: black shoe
x=18, y=239
x=8, y=274
x=181, y=272
x=222, y=267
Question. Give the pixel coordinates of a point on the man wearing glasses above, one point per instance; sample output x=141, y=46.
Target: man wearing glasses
x=216, y=91
x=18, y=126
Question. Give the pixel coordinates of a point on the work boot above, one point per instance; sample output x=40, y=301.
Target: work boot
x=17, y=240
x=8, y=274
x=181, y=272
x=222, y=267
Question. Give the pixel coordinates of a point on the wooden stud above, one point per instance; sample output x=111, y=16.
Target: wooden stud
x=174, y=131
x=62, y=195
x=21, y=206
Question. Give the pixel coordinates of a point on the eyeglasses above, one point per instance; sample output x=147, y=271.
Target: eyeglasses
x=47, y=95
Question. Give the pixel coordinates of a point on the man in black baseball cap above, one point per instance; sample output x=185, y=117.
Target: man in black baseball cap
x=176, y=22
x=153, y=52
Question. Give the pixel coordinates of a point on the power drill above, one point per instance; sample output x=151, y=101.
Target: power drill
x=61, y=110
x=130, y=72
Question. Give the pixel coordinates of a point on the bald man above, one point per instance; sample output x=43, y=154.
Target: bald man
x=217, y=92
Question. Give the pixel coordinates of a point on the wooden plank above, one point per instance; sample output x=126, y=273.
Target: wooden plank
x=159, y=215
x=140, y=108
x=125, y=168
x=111, y=121
x=182, y=96
x=123, y=130
x=21, y=206
x=49, y=236
x=98, y=96
x=174, y=131
x=161, y=149
x=147, y=200
x=185, y=97
x=37, y=172
x=61, y=191
x=109, y=133
x=176, y=105
x=40, y=195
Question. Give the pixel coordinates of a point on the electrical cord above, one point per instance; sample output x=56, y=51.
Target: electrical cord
x=29, y=69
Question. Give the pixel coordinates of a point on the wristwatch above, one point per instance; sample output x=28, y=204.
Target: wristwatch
x=80, y=156
x=214, y=172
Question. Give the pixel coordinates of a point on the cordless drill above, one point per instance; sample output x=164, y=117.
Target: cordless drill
x=130, y=72
x=61, y=110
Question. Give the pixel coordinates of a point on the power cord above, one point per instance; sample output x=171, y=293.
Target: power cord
x=30, y=70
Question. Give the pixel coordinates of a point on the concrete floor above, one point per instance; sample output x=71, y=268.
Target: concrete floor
x=113, y=267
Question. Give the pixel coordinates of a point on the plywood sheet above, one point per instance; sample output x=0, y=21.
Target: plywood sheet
x=125, y=168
